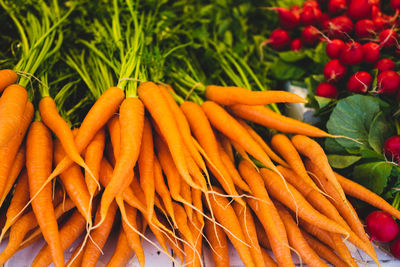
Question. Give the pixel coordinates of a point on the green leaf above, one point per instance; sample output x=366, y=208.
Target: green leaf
x=291, y=56
x=379, y=132
x=289, y=3
x=341, y=161
x=323, y=101
x=352, y=117
x=371, y=154
x=373, y=175
x=333, y=147
x=285, y=71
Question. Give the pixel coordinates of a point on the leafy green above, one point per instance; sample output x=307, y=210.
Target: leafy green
x=342, y=161
x=373, y=175
x=282, y=70
x=380, y=130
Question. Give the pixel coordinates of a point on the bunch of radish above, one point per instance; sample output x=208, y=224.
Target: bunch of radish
x=360, y=39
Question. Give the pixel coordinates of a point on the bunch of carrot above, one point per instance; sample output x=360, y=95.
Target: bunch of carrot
x=189, y=172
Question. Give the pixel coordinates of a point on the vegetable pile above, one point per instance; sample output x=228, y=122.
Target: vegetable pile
x=187, y=161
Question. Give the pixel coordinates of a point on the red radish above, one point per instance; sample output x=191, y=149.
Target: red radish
x=365, y=28
x=381, y=226
x=385, y=64
x=337, y=6
x=296, y=45
x=311, y=3
x=287, y=19
x=391, y=148
x=375, y=2
x=310, y=16
x=279, y=39
x=352, y=54
x=359, y=82
x=334, y=70
x=371, y=52
x=380, y=22
x=375, y=11
x=388, y=82
x=324, y=19
x=359, y=9
x=395, y=4
x=339, y=27
x=334, y=48
x=388, y=38
x=310, y=35
x=328, y=90
x=395, y=248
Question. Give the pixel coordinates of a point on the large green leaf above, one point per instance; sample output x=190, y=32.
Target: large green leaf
x=341, y=161
x=291, y=56
x=380, y=130
x=286, y=71
x=373, y=175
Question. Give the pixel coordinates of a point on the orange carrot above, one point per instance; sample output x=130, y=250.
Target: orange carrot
x=278, y=190
x=319, y=233
x=122, y=253
x=76, y=260
x=181, y=220
x=131, y=119
x=9, y=151
x=226, y=216
x=193, y=254
x=357, y=191
x=93, y=155
x=249, y=230
x=342, y=250
x=197, y=202
x=269, y=262
x=146, y=166
x=226, y=146
x=7, y=77
x=186, y=194
x=297, y=240
x=218, y=243
x=230, y=95
x=173, y=242
x=39, y=154
x=12, y=106
x=265, y=116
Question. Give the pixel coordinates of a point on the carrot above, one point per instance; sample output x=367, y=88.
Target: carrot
x=230, y=127
x=269, y=262
x=202, y=130
x=193, y=255
x=323, y=251
x=265, y=116
x=76, y=258
x=93, y=155
x=226, y=146
x=319, y=233
x=12, y=106
x=70, y=231
x=162, y=190
x=18, y=201
x=52, y=119
x=278, y=190
x=342, y=250
x=261, y=234
x=7, y=77
x=197, y=202
x=99, y=236
x=74, y=183
x=285, y=148
x=18, y=164
x=9, y=151
x=230, y=167
x=114, y=130
x=226, y=216
x=297, y=240
x=262, y=143
x=218, y=243
x=267, y=214
x=131, y=119
x=247, y=223
x=122, y=253
x=39, y=154
x=230, y=95
x=146, y=166
x=182, y=223
x=186, y=194
x=312, y=150
x=357, y=191
x=159, y=109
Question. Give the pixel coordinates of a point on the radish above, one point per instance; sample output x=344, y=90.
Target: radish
x=296, y=45
x=287, y=19
x=385, y=64
x=388, y=38
x=395, y=4
x=310, y=15
x=359, y=9
x=325, y=19
x=359, y=82
x=395, y=248
x=334, y=70
x=371, y=52
x=336, y=6
x=339, y=27
x=310, y=35
x=352, y=54
x=365, y=28
x=381, y=226
x=328, y=90
x=311, y=3
x=334, y=48
x=381, y=22
x=375, y=2
x=279, y=39
x=388, y=82
x=391, y=148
